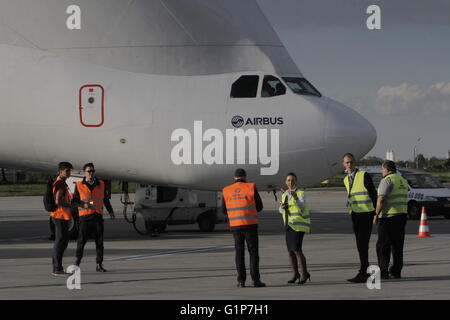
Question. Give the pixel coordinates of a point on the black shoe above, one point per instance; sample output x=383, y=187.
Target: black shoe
x=100, y=268
x=59, y=273
x=297, y=276
x=394, y=275
x=305, y=278
x=359, y=278
x=384, y=275
x=241, y=284
x=259, y=284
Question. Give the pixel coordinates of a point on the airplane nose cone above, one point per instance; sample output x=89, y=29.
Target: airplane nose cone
x=346, y=131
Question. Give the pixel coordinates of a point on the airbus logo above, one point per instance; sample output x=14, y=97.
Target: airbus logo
x=238, y=121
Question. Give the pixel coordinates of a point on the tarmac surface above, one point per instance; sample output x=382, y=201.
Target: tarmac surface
x=184, y=263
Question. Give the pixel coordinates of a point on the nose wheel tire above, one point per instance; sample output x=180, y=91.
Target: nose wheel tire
x=414, y=211
x=207, y=222
x=152, y=227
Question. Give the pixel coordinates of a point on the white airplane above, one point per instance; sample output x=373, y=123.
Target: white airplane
x=164, y=93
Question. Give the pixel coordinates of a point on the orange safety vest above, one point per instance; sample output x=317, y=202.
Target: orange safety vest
x=94, y=198
x=240, y=202
x=62, y=213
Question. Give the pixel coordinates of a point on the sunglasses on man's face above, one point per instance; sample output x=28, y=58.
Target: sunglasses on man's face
x=90, y=171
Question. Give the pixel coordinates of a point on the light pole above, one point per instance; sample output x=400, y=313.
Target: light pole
x=416, y=161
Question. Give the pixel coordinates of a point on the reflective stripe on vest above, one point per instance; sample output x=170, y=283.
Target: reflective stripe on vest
x=241, y=208
x=358, y=197
x=298, y=219
x=397, y=201
x=61, y=212
x=94, y=198
x=240, y=203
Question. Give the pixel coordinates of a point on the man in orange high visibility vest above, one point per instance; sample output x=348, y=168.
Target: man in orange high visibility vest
x=61, y=216
x=241, y=202
x=91, y=196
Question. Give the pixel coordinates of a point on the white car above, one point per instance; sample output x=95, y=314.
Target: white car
x=424, y=190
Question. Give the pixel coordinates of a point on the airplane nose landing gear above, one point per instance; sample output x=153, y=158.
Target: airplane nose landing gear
x=125, y=200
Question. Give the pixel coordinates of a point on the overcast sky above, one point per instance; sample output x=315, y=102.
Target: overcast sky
x=397, y=77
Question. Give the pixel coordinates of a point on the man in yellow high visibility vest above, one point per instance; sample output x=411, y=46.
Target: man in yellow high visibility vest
x=391, y=217
x=361, y=202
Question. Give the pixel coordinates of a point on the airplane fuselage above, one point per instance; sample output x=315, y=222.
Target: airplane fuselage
x=182, y=130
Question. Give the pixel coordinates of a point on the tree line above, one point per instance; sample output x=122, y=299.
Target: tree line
x=432, y=164
x=25, y=177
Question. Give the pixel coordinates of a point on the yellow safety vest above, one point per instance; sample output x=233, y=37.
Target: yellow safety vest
x=396, y=201
x=358, y=197
x=298, y=219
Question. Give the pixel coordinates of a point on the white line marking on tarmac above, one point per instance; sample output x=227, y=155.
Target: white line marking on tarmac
x=439, y=237
x=168, y=253
x=23, y=239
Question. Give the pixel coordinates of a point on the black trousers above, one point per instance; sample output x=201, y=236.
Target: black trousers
x=61, y=242
x=391, y=238
x=249, y=235
x=90, y=225
x=52, y=227
x=362, y=227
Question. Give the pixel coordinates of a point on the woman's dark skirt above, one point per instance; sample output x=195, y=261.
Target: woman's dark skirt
x=294, y=239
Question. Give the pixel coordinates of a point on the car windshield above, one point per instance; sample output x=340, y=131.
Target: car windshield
x=422, y=181
x=301, y=86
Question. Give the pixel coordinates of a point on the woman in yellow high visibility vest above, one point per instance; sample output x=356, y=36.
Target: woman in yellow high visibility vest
x=297, y=222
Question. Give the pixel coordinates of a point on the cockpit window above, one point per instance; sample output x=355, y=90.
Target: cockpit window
x=302, y=86
x=245, y=87
x=272, y=87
